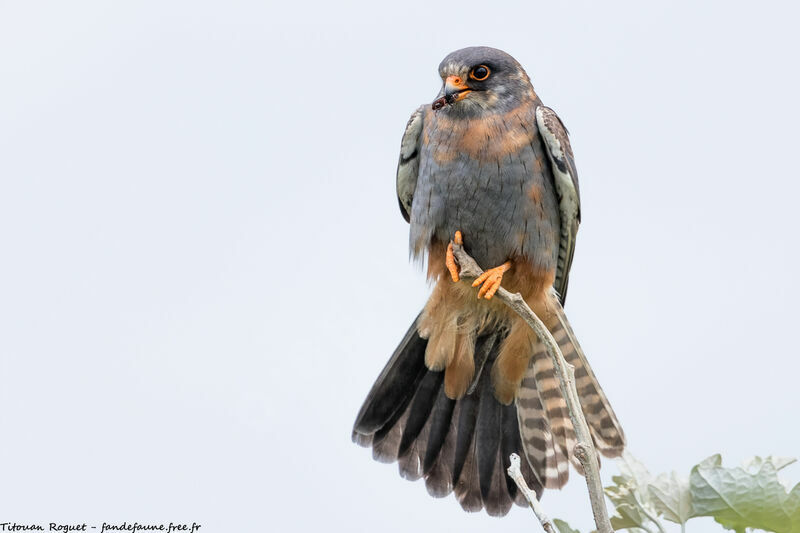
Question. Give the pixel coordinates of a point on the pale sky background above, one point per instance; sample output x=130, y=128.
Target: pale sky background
x=204, y=267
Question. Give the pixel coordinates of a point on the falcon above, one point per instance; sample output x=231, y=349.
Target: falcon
x=486, y=165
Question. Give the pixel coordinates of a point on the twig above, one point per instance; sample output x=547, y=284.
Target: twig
x=516, y=474
x=584, y=449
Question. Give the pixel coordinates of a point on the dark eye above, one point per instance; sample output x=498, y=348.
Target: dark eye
x=480, y=73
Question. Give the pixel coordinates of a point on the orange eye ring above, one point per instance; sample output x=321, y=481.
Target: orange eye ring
x=480, y=73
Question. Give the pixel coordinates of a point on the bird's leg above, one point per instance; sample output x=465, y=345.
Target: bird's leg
x=491, y=280
x=450, y=260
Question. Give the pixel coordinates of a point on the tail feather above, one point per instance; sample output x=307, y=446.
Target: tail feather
x=497, y=499
x=386, y=441
x=483, y=348
x=363, y=440
x=439, y=477
x=545, y=425
x=555, y=409
x=487, y=438
x=509, y=443
x=512, y=443
x=606, y=430
x=441, y=427
x=463, y=446
x=459, y=446
x=409, y=464
x=559, y=413
x=487, y=442
x=395, y=385
x=467, y=488
x=535, y=431
x=416, y=433
x=421, y=407
x=467, y=419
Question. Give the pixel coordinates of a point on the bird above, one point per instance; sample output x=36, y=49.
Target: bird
x=488, y=166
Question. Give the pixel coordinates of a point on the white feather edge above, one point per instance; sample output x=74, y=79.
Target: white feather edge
x=411, y=135
x=565, y=187
x=407, y=171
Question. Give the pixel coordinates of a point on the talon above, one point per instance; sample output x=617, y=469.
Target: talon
x=450, y=259
x=491, y=280
x=450, y=262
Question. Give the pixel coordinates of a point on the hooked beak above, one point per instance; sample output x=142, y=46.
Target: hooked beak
x=454, y=90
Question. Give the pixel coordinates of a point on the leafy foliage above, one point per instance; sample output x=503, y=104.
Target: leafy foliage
x=630, y=496
x=629, y=509
x=671, y=497
x=563, y=527
x=746, y=497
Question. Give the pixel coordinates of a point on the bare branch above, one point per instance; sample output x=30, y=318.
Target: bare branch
x=516, y=474
x=584, y=449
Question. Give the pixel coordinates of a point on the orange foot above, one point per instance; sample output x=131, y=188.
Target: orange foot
x=450, y=259
x=491, y=280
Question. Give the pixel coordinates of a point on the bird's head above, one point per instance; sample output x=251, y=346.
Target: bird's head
x=480, y=79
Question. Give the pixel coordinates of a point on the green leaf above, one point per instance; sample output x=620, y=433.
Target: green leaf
x=754, y=464
x=636, y=474
x=751, y=497
x=624, y=496
x=563, y=527
x=670, y=495
x=628, y=517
